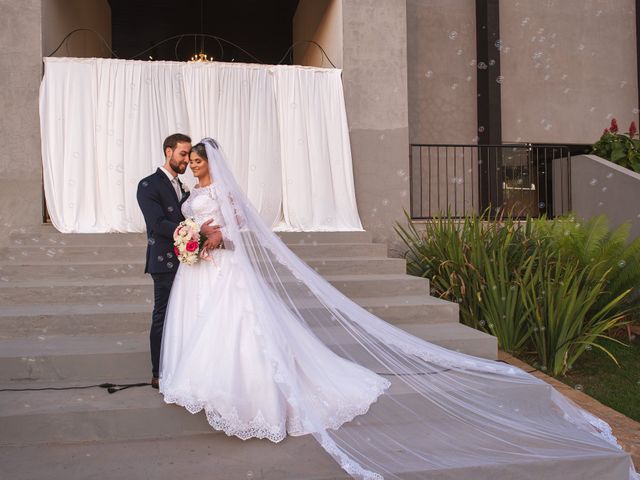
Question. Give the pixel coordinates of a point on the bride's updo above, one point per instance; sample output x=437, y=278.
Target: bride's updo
x=201, y=150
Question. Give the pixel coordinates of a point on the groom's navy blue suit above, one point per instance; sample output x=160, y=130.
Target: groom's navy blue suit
x=162, y=213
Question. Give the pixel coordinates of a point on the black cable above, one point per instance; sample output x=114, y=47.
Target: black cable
x=218, y=40
x=83, y=30
x=111, y=387
x=290, y=49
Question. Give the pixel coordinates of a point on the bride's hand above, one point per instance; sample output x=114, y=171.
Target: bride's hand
x=213, y=241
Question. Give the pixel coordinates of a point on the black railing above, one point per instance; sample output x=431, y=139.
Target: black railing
x=524, y=179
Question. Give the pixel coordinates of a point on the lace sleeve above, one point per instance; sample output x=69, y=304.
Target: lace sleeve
x=240, y=220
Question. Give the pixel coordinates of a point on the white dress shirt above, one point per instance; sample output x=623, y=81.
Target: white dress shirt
x=174, y=182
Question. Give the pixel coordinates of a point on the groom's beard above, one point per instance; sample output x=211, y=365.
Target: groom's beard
x=176, y=167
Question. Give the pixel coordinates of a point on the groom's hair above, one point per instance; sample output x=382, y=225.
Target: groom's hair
x=172, y=141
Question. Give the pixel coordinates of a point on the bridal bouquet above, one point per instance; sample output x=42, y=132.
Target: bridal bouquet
x=187, y=242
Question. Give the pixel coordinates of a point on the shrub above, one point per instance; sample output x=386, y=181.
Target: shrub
x=551, y=287
x=620, y=148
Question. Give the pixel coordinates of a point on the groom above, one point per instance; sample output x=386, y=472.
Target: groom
x=160, y=197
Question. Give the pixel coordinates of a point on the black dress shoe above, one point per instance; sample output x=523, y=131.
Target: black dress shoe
x=155, y=382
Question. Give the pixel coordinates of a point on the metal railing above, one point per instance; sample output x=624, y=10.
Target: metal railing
x=524, y=179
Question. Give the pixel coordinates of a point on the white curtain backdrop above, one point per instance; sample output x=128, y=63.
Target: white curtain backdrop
x=283, y=128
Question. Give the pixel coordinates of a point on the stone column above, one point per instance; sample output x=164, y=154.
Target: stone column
x=21, y=71
x=375, y=87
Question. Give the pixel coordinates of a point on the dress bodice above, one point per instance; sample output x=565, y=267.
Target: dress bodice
x=203, y=205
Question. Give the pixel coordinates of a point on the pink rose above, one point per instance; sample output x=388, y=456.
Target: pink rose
x=192, y=246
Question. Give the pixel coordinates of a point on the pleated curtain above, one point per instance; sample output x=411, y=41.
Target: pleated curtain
x=283, y=128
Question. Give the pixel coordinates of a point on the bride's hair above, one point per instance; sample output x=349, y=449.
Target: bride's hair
x=201, y=150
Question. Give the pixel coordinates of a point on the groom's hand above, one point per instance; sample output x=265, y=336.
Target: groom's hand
x=207, y=229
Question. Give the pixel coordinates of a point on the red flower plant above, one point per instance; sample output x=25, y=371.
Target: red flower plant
x=614, y=126
x=192, y=246
x=606, y=131
x=633, y=129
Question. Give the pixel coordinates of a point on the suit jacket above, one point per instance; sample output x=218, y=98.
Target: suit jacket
x=162, y=213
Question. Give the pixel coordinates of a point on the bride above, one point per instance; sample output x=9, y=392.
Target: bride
x=268, y=348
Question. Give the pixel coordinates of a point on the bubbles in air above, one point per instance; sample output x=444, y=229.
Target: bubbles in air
x=453, y=35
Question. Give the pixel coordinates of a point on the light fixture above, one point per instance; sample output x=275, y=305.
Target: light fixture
x=201, y=57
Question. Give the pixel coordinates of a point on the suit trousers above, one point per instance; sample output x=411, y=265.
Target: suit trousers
x=162, y=283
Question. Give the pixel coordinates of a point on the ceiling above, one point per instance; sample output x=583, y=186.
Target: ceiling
x=262, y=28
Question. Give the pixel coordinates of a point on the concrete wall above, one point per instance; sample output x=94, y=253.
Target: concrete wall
x=441, y=70
x=375, y=85
x=568, y=67
x=320, y=21
x=59, y=17
x=442, y=88
x=20, y=71
x=600, y=187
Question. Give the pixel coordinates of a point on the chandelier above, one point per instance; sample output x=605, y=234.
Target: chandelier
x=201, y=57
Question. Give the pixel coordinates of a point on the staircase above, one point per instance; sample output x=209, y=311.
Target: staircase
x=76, y=311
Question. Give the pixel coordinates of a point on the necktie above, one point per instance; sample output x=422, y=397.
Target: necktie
x=176, y=187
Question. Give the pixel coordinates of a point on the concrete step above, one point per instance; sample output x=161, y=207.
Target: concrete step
x=114, y=318
x=205, y=456
x=221, y=458
x=51, y=420
x=140, y=288
x=47, y=235
x=91, y=414
x=63, y=255
x=100, y=357
x=108, y=269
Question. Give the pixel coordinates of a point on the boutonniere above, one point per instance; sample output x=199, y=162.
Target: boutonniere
x=184, y=188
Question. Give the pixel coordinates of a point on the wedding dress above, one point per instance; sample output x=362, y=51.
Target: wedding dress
x=216, y=356
x=267, y=347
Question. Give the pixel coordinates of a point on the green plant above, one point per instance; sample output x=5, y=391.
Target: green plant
x=597, y=248
x=473, y=262
x=564, y=312
x=442, y=254
x=553, y=287
x=619, y=148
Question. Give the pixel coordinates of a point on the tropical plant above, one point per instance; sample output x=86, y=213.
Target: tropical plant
x=620, y=148
x=550, y=287
x=564, y=311
x=595, y=247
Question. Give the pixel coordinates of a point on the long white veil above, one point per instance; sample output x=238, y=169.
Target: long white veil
x=445, y=411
